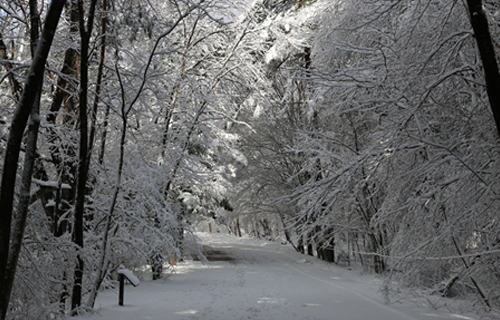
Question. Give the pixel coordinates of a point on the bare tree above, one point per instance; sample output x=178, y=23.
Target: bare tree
x=18, y=125
x=78, y=225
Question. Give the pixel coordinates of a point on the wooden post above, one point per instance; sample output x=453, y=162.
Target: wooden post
x=122, y=275
x=121, y=278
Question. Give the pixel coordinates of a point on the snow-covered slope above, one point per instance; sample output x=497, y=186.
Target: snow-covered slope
x=254, y=279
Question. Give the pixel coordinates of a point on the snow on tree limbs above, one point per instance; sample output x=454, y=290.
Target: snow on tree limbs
x=19, y=122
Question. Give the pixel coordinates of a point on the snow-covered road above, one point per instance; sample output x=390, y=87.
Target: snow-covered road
x=252, y=279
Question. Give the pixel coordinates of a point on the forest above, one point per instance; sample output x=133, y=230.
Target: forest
x=358, y=131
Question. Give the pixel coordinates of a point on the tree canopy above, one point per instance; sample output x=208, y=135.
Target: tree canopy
x=359, y=131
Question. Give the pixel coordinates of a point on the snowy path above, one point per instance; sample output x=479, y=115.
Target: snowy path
x=251, y=279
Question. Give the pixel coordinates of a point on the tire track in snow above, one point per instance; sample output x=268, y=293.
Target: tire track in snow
x=365, y=298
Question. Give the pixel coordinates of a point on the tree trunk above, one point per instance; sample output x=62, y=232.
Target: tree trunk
x=300, y=245
x=29, y=161
x=62, y=153
x=310, y=250
x=238, y=227
x=377, y=248
x=100, y=72
x=104, y=134
x=330, y=250
x=85, y=33
x=19, y=122
x=156, y=257
x=479, y=22
x=156, y=265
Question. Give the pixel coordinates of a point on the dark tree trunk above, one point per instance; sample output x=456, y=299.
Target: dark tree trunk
x=330, y=250
x=100, y=72
x=239, y=229
x=300, y=245
x=479, y=22
x=377, y=248
x=18, y=125
x=78, y=226
x=104, y=134
x=310, y=249
x=156, y=258
x=63, y=154
x=157, y=265
x=29, y=161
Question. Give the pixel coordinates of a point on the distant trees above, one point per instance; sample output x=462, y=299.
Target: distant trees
x=390, y=154
x=414, y=176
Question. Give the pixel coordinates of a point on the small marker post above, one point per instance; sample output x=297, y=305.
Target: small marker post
x=121, y=279
x=122, y=275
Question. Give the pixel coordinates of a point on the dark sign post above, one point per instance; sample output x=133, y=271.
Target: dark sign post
x=122, y=275
x=121, y=278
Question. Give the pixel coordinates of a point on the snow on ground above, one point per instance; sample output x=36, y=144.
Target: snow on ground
x=253, y=279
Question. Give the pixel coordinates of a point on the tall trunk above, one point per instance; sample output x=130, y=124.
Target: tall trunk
x=100, y=72
x=103, y=261
x=29, y=161
x=62, y=153
x=85, y=33
x=479, y=22
x=24, y=199
x=19, y=122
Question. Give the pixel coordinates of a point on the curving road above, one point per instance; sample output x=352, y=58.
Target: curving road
x=249, y=279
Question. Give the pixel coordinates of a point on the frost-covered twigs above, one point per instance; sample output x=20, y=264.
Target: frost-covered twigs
x=386, y=131
x=18, y=124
